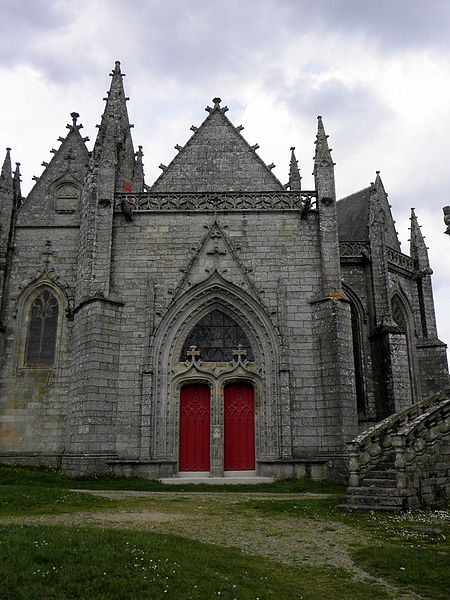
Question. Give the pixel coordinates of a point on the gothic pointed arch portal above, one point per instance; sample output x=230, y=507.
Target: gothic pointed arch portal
x=238, y=345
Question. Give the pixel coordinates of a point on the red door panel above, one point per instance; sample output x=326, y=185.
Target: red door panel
x=239, y=427
x=194, y=428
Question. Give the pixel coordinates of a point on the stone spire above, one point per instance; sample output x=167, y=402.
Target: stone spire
x=10, y=199
x=114, y=141
x=326, y=205
x=417, y=248
x=423, y=272
x=16, y=186
x=6, y=168
x=138, y=173
x=322, y=157
x=294, y=173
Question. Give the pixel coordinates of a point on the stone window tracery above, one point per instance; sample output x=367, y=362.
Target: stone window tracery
x=42, y=330
x=216, y=337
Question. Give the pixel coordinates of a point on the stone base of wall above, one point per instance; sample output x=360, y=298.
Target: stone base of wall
x=32, y=459
x=315, y=469
x=86, y=464
x=151, y=469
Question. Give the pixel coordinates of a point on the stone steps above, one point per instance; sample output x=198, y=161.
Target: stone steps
x=217, y=480
x=377, y=491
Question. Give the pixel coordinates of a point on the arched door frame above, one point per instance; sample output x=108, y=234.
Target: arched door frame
x=217, y=385
x=160, y=406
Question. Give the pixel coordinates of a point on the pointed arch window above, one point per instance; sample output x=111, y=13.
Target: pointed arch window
x=358, y=362
x=42, y=330
x=398, y=314
x=400, y=317
x=217, y=336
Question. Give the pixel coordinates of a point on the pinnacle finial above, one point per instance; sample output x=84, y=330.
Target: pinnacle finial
x=217, y=101
x=417, y=248
x=322, y=157
x=294, y=173
x=320, y=128
x=74, y=116
x=6, y=168
x=17, y=180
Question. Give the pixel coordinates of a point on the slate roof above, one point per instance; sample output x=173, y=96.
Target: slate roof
x=353, y=216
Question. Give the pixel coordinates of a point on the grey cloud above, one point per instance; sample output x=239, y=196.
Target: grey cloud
x=195, y=42
x=356, y=107
x=391, y=24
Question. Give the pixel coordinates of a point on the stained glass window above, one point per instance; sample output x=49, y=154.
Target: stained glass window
x=216, y=336
x=42, y=329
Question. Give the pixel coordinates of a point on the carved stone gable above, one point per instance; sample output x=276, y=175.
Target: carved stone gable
x=216, y=254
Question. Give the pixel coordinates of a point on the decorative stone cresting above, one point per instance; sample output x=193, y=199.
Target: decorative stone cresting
x=186, y=201
x=403, y=461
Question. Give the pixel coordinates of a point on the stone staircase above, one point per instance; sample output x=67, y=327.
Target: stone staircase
x=403, y=461
x=376, y=491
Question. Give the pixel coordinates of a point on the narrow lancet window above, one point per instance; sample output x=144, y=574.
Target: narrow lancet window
x=216, y=337
x=358, y=363
x=42, y=330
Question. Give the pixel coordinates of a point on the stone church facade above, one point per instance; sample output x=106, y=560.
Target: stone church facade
x=214, y=322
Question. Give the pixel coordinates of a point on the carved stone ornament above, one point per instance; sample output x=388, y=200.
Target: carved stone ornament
x=212, y=201
x=446, y=210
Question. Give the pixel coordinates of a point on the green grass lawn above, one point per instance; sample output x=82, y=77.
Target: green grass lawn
x=411, y=551
x=49, y=477
x=44, y=563
x=16, y=500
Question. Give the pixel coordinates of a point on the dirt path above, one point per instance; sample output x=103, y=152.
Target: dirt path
x=214, y=518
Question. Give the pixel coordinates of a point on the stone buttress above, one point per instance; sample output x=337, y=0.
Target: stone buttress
x=331, y=316
x=91, y=432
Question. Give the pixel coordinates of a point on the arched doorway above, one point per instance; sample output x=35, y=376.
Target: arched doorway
x=239, y=427
x=194, y=444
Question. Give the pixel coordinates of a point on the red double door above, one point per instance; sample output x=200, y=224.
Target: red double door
x=239, y=428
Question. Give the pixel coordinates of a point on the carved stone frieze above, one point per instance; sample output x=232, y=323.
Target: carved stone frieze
x=169, y=201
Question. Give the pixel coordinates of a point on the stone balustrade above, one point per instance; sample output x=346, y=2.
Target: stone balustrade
x=133, y=202
x=406, y=434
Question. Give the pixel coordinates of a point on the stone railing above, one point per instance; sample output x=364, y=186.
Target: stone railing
x=354, y=249
x=400, y=260
x=406, y=435
x=150, y=201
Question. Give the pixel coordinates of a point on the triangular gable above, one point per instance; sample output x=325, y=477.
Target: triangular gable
x=380, y=200
x=217, y=159
x=67, y=167
x=354, y=215
x=216, y=254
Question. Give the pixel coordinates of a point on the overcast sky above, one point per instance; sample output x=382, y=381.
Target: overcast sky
x=378, y=72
